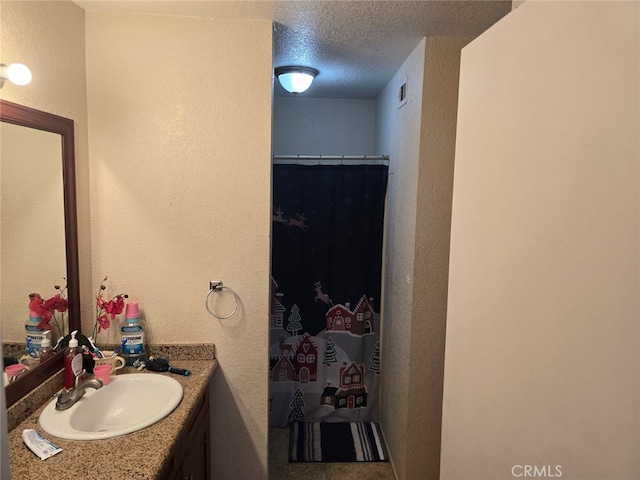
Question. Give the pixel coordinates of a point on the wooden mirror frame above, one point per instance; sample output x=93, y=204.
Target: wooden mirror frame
x=32, y=118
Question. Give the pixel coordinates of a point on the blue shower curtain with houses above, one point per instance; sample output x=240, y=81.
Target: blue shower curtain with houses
x=325, y=292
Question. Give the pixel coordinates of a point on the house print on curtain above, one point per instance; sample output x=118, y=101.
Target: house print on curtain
x=326, y=267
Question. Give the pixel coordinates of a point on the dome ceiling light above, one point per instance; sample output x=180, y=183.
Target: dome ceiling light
x=296, y=79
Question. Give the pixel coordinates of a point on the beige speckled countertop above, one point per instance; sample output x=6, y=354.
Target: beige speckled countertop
x=139, y=455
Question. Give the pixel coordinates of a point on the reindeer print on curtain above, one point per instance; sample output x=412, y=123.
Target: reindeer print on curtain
x=325, y=302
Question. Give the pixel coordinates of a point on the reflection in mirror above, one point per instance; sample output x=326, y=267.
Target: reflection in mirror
x=31, y=224
x=38, y=231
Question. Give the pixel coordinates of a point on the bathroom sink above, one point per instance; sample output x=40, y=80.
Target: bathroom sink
x=130, y=402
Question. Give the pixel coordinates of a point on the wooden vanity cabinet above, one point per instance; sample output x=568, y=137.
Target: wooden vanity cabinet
x=191, y=459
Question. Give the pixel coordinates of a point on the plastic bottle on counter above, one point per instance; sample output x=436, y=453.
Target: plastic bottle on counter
x=45, y=347
x=72, y=362
x=133, y=332
x=33, y=332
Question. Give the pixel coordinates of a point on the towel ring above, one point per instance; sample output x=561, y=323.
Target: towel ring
x=217, y=287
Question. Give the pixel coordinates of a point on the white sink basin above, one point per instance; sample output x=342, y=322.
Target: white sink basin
x=129, y=403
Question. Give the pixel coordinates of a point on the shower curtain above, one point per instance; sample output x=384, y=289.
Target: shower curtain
x=325, y=292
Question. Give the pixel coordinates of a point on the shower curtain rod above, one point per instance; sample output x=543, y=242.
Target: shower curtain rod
x=331, y=159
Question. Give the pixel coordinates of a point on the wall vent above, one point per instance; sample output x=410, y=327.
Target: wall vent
x=402, y=94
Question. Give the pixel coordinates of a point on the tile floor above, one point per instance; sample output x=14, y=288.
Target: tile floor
x=281, y=469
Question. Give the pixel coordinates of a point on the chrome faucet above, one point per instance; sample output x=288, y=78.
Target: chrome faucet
x=67, y=398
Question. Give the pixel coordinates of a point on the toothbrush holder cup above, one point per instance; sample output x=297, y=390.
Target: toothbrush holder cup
x=115, y=362
x=102, y=372
x=13, y=370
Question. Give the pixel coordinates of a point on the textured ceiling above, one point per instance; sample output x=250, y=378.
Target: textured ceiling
x=356, y=45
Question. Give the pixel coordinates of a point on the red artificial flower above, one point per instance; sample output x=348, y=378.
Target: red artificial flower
x=35, y=304
x=100, y=302
x=46, y=315
x=106, y=311
x=56, y=303
x=44, y=324
x=49, y=304
x=115, y=306
x=45, y=309
x=103, y=322
x=61, y=305
x=38, y=306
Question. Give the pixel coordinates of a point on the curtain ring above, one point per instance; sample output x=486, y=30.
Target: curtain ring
x=219, y=288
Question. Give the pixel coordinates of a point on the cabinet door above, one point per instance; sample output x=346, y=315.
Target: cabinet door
x=172, y=468
x=196, y=463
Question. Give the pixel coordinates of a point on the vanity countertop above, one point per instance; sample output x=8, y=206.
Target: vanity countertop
x=139, y=455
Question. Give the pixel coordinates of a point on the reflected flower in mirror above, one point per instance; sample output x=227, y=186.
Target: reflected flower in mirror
x=52, y=311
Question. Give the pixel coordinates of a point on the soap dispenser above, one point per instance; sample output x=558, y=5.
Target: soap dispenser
x=72, y=362
x=45, y=347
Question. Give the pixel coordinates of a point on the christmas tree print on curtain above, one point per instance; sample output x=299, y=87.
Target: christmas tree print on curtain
x=330, y=352
x=327, y=251
x=296, y=405
x=374, y=359
x=293, y=324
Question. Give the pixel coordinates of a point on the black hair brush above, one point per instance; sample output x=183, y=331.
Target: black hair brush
x=162, y=365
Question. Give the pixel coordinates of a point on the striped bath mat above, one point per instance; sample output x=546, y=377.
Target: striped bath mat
x=336, y=442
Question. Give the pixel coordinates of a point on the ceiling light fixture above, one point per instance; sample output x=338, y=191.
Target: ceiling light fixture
x=296, y=79
x=16, y=73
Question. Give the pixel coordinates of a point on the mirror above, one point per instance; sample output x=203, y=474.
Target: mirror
x=40, y=235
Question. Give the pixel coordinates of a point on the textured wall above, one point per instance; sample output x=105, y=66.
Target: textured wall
x=42, y=35
x=421, y=138
x=542, y=333
x=180, y=132
x=323, y=126
x=431, y=255
x=398, y=133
